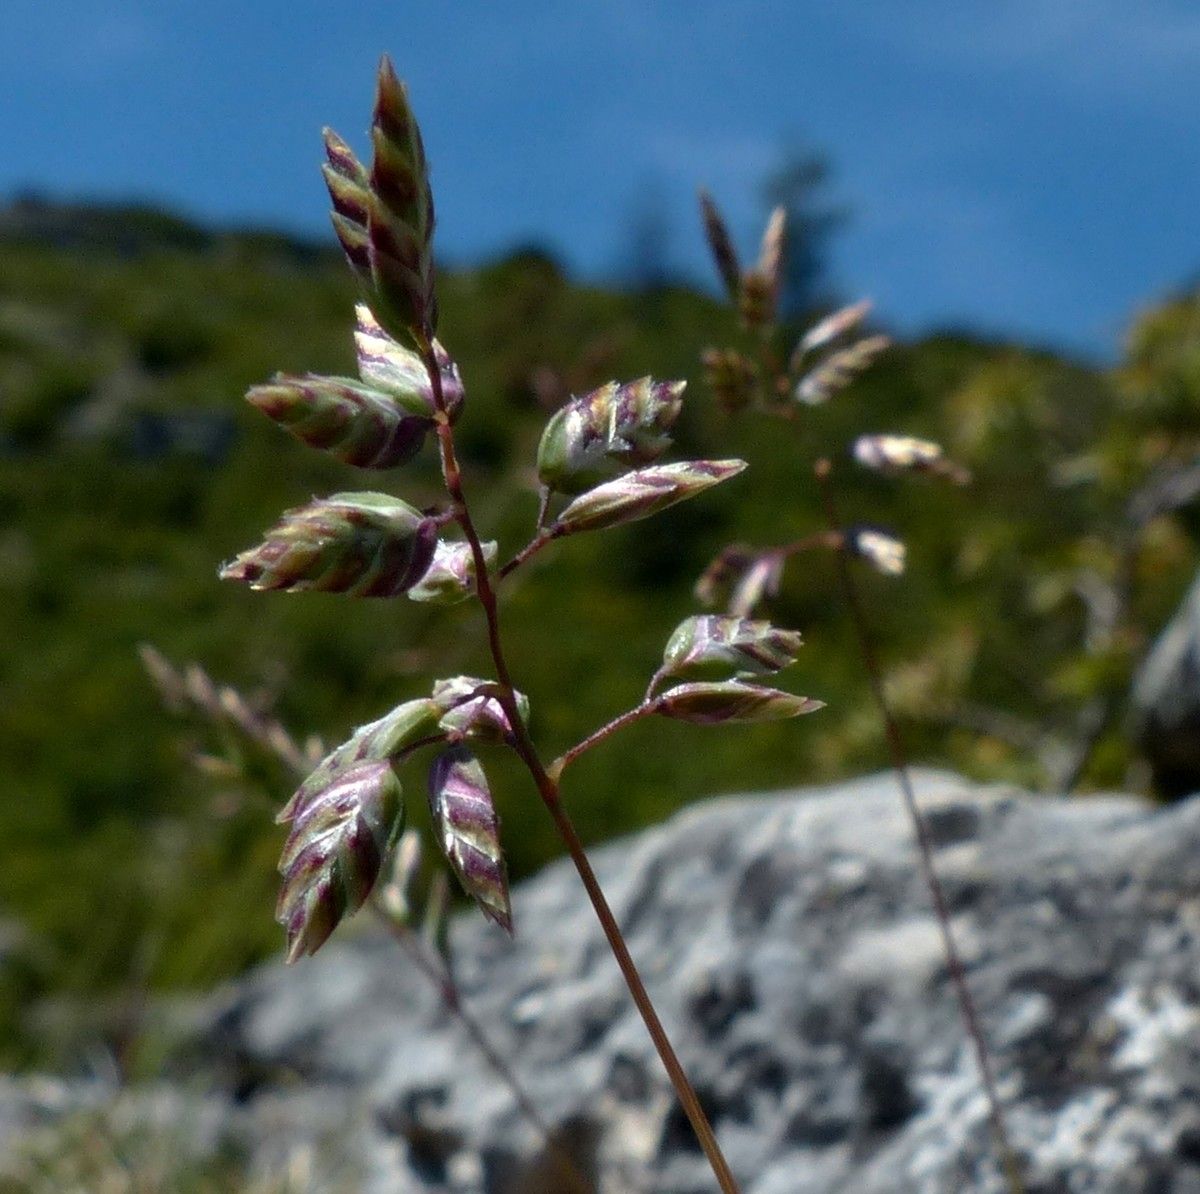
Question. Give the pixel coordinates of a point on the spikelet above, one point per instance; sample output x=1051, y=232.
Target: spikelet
x=611, y=429
x=838, y=370
x=381, y=740
x=353, y=422
x=731, y=701
x=464, y=819
x=728, y=642
x=400, y=372
x=364, y=544
x=339, y=839
x=642, y=493
x=469, y=709
x=450, y=578
x=731, y=376
x=400, y=216
x=350, y=193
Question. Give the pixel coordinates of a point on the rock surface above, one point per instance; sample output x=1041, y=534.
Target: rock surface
x=789, y=944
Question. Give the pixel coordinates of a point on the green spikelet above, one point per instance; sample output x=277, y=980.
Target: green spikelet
x=377, y=741
x=606, y=432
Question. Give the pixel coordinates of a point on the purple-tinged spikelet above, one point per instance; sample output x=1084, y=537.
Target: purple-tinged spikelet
x=381, y=740
x=642, y=493
x=400, y=216
x=605, y=432
x=400, y=372
x=339, y=838
x=739, y=578
x=358, y=425
x=350, y=193
x=728, y=642
x=464, y=819
x=731, y=701
x=364, y=544
x=825, y=331
x=759, y=296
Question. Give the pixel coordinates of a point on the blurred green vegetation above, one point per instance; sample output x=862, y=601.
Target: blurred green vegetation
x=131, y=468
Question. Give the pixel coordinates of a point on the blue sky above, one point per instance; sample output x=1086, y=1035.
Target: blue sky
x=1028, y=168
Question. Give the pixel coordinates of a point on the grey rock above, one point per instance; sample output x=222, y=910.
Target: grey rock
x=790, y=947
x=1165, y=703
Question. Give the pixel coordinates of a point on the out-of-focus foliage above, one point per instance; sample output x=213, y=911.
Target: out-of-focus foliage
x=142, y=1145
x=132, y=467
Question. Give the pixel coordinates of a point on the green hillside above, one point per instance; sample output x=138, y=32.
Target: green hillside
x=131, y=468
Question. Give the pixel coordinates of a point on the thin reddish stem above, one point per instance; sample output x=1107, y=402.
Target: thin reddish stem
x=442, y=980
x=542, y=539
x=966, y=1002
x=564, y=760
x=548, y=790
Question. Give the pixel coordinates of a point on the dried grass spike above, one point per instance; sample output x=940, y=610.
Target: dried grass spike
x=838, y=370
x=825, y=331
x=721, y=244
